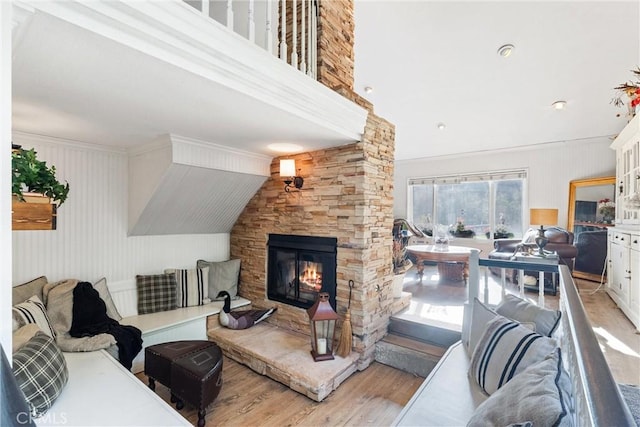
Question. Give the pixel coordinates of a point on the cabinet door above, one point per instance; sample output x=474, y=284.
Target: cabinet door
x=620, y=268
x=634, y=290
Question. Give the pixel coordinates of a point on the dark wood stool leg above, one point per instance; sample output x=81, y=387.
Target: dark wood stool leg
x=179, y=404
x=173, y=398
x=152, y=383
x=201, y=414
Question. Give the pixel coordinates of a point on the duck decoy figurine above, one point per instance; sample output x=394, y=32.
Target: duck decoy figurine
x=241, y=319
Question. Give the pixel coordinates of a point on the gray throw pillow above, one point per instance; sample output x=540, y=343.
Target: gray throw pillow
x=156, y=292
x=538, y=396
x=105, y=295
x=481, y=316
x=505, y=349
x=41, y=372
x=26, y=290
x=523, y=311
x=223, y=276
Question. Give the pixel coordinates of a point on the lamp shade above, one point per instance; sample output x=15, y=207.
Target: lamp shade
x=543, y=216
x=287, y=167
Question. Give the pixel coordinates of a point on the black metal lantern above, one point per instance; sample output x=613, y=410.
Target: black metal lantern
x=322, y=319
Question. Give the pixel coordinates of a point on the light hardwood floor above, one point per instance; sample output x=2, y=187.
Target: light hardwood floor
x=375, y=396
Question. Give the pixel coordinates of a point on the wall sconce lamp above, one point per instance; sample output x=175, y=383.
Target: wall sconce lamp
x=288, y=171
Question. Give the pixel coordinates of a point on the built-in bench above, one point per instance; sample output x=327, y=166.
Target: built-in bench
x=448, y=395
x=187, y=323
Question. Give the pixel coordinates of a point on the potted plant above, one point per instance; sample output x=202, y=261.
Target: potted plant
x=630, y=90
x=32, y=175
x=461, y=231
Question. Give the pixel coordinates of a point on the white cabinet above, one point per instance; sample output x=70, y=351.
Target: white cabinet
x=627, y=146
x=623, y=276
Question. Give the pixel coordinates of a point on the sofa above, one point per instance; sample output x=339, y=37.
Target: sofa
x=592, y=252
x=560, y=241
x=85, y=370
x=491, y=378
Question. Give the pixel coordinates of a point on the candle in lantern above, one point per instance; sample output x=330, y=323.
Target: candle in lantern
x=322, y=345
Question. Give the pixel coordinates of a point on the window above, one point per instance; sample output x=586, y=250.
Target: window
x=480, y=205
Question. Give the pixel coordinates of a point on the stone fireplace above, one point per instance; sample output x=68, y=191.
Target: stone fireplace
x=347, y=194
x=299, y=268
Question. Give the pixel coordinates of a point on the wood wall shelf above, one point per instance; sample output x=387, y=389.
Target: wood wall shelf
x=35, y=214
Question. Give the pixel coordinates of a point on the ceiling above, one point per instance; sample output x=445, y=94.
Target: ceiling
x=427, y=62
x=432, y=62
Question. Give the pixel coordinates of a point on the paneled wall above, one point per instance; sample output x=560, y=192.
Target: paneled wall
x=550, y=167
x=91, y=238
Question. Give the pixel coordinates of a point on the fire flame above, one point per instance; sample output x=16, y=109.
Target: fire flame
x=312, y=277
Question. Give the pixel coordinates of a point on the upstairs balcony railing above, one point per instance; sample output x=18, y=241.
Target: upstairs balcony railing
x=285, y=28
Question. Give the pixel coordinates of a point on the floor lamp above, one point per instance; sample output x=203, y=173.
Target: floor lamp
x=541, y=217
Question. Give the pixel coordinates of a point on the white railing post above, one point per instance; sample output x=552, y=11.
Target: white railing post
x=251, y=25
x=268, y=36
x=303, y=42
x=313, y=62
x=230, y=14
x=474, y=278
x=294, y=35
x=283, y=30
x=205, y=7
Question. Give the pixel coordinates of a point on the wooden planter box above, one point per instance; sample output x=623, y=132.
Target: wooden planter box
x=35, y=213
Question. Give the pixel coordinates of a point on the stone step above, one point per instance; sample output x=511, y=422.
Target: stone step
x=284, y=356
x=414, y=357
x=440, y=335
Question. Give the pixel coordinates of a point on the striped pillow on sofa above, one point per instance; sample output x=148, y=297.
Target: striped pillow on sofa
x=505, y=349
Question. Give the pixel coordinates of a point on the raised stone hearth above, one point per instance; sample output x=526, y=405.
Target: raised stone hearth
x=283, y=355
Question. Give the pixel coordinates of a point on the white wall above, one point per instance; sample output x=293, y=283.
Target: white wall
x=91, y=238
x=5, y=180
x=550, y=168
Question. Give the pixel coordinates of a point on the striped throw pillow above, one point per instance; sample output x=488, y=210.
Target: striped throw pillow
x=192, y=286
x=41, y=372
x=156, y=292
x=505, y=349
x=33, y=311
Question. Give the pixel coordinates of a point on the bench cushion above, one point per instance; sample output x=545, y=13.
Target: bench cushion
x=94, y=378
x=447, y=397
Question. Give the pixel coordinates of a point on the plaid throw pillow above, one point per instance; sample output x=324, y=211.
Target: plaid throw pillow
x=41, y=372
x=192, y=286
x=156, y=292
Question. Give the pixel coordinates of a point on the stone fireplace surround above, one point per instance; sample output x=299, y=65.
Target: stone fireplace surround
x=347, y=194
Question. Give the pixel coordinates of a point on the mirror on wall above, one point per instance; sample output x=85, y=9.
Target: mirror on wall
x=589, y=224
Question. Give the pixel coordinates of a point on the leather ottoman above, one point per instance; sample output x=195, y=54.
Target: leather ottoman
x=197, y=379
x=192, y=370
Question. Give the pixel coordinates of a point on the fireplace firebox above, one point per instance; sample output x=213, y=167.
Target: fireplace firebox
x=300, y=267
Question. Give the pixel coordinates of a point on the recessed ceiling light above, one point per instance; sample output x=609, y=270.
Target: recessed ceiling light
x=505, y=50
x=559, y=105
x=441, y=126
x=284, y=147
x=368, y=89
